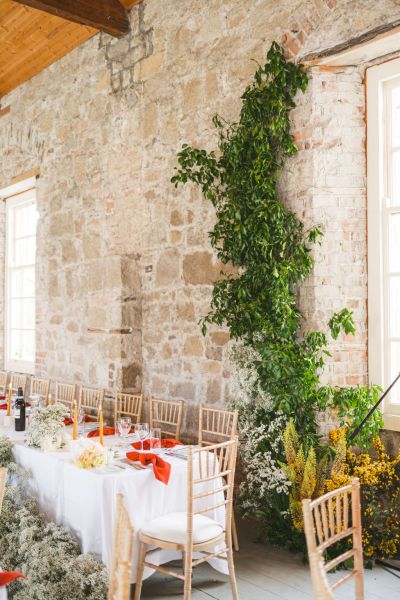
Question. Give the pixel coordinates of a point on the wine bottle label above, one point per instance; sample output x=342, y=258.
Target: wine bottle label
x=17, y=413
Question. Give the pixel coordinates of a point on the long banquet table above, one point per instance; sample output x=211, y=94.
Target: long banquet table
x=84, y=501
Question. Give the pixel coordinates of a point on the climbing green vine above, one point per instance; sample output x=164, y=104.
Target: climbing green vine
x=270, y=250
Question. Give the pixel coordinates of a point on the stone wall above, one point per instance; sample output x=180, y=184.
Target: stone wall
x=124, y=265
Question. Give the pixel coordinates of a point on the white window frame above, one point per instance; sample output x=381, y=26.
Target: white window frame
x=19, y=194
x=379, y=78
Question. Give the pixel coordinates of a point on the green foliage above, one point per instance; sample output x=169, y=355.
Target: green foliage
x=342, y=320
x=254, y=230
x=352, y=405
x=270, y=250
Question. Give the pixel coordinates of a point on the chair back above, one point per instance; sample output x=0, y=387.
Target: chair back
x=3, y=382
x=65, y=393
x=167, y=415
x=91, y=399
x=41, y=387
x=327, y=520
x=128, y=405
x=121, y=562
x=3, y=481
x=216, y=425
x=17, y=381
x=211, y=473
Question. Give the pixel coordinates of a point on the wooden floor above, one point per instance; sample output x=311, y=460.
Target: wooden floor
x=266, y=573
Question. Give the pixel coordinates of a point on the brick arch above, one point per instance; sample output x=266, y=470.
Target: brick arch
x=303, y=24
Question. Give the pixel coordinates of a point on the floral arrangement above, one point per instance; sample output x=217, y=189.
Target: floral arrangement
x=379, y=475
x=47, y=554
x=93, y=455
x=305, y=473
x=46, y=429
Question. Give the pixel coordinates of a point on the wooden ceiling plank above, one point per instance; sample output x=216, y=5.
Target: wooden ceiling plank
x=128, y=4
x=106, y=15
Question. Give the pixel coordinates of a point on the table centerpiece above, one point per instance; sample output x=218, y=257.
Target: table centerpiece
x=47, y=430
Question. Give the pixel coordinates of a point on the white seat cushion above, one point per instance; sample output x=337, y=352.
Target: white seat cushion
x=173, y=528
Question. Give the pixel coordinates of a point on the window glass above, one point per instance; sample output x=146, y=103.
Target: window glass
x=20, y=298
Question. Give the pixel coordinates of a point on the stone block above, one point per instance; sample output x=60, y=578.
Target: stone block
x=183, y=389
x=193, y=346
x=168, y=268
x=185, y=311
x=213, y=392
x=219, y=338
x=199, y=268
x=149, y=66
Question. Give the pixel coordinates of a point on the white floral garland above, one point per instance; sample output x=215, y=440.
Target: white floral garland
x=47, y=554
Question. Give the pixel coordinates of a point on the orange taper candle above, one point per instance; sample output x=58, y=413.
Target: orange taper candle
x=75, y=429
x=101, y=432
x=9, y=401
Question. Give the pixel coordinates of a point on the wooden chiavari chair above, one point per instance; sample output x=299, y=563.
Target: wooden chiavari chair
x=41, y=387
x=3, y=382
x=90, y=399
x=121, y=565
x=3, y=481
x=128, y=405
x=65, y=393
x=327, y=520
x=215, y=426
x=211, y=473
x=17, y=381
x=167, y=415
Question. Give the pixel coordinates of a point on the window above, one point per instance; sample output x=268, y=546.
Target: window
x=383, y=109
x=21, y=220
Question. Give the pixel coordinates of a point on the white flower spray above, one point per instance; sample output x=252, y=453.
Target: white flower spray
x=261, y=438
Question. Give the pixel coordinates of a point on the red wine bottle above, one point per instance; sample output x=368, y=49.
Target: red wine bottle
x=19, y=411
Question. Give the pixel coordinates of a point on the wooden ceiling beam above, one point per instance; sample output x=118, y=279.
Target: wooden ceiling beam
x=106, y=15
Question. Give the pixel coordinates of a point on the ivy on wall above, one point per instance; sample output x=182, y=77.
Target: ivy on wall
x=257, y=233
x=270, y=248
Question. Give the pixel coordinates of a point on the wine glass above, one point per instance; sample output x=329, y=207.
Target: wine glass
x=142, y=430
x=124, y=427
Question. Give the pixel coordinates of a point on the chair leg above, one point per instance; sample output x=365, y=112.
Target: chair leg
x=232, y=576
x=234, y=533
x=187, y=568
x=140, y=569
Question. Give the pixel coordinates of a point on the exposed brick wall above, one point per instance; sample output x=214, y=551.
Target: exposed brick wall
x=325, y=183
x=119, y=248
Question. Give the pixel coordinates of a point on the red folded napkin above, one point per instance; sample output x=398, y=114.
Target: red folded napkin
x=165, y=443
x=161, y=468
x=3, y=406
x=69, y=421
x=8, y=577
x=106, y=431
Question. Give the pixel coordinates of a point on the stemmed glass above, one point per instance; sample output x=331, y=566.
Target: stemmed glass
x=142, y=430
x=155, y=439
x=124, y=427
x=81, y=418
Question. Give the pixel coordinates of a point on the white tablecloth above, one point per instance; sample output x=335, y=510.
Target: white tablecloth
x=84, y=501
